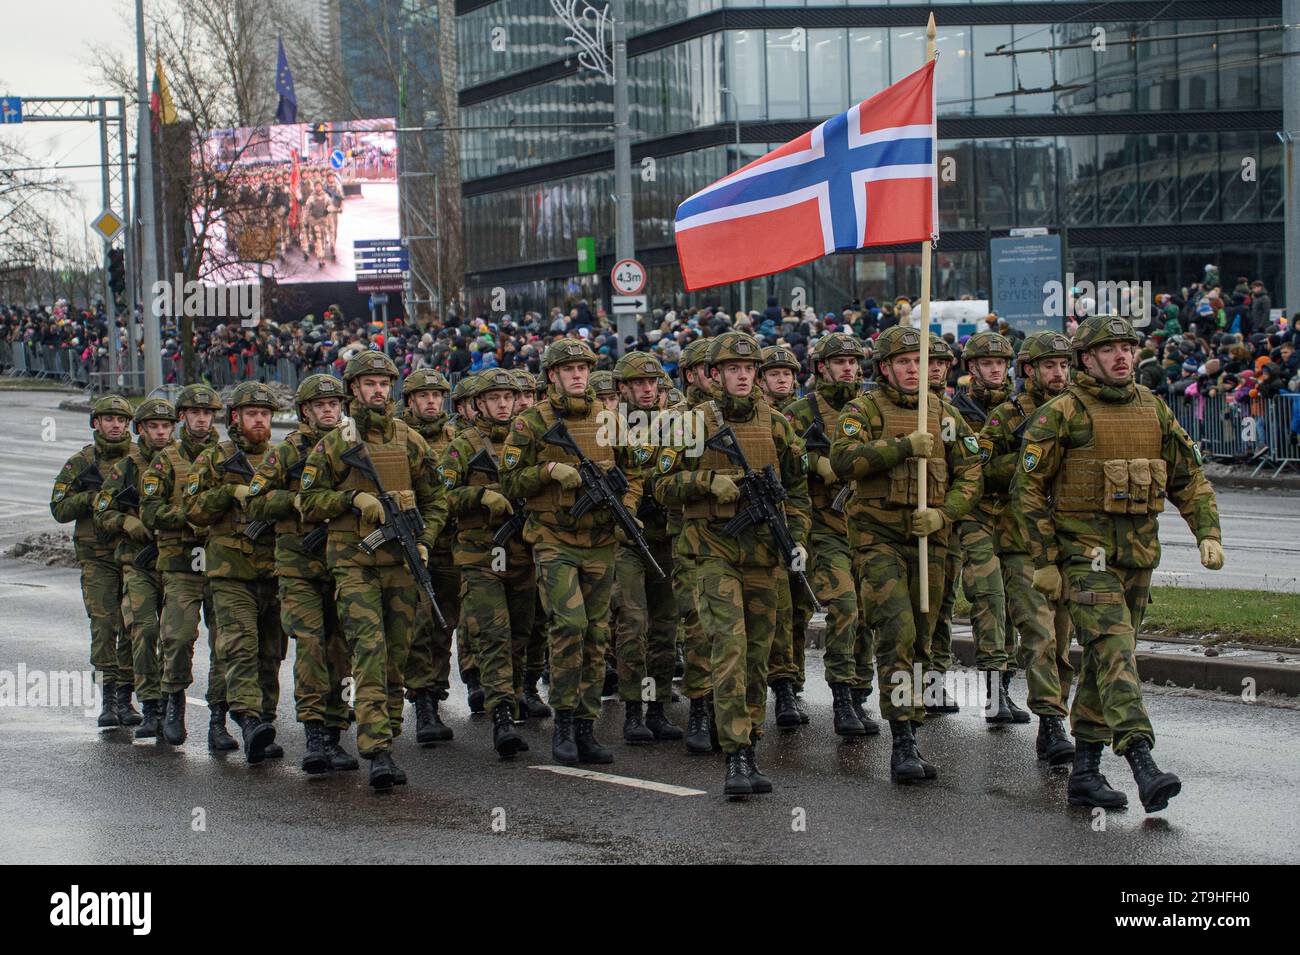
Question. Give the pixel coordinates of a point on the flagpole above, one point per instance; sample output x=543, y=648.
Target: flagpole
x=923, y=386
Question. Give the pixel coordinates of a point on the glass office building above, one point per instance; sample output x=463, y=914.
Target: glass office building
x=1154, y=157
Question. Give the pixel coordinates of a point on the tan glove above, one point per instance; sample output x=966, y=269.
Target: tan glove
x=925, y=523
x=136, y=530
x=423, y=552
x=723, y=488
x=565, y=475
x=497, y=504
x=1211, y=554
x=241, y=493
x=405, y=500
x=1047, y=580
x=297, y=504
x=922, y=444
x=825, y=471
x=621, y=537
x=369, y=506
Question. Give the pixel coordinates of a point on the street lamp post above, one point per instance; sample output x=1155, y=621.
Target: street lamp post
x=148, y=264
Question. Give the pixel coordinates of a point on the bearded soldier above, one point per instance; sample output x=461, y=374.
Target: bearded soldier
x=377, y=597
x=117, y=515
x=308, y=612
x=72, y=501
x=250, y=641
x=1096, y=466
x=837, y=361
x=941, y=658
x=1043, y=622
x=573, y=556
x=878, y=446
x=186, y=591
x=738, y=579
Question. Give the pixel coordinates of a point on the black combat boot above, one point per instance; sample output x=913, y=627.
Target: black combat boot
x=534, y=705
x=340, y=760
x=108, y=718
x=1018, y=715
x=399, y=774
x=474, y=690
x=610, y=687
x=787, y=713
x=589, y=748
x=995, y=710
x=315, y=761
x=1087, y=786
x=564, y=747
x=869, y=726
x=634, y=730
x=382, y=771
x=273, y=749
x=257, y=736
x=737, y=782
x=657, y=722
x=173, y=727
x=801, y=706
x=904, y=765
x=152, y=721
x=757, y=781
x=505, y=738
x=429, y=727
x=697, y=726
x=125, y=711
x=846, y=718
x=931, y=771
x=219, y=741
x=1053, y=744
x=1155, y=788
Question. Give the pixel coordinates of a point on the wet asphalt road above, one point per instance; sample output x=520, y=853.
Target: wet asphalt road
x=71, y=794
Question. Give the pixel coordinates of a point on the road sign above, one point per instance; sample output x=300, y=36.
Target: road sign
x=629, y=304
x=11, y=110
x=381, y=283
x=107, y=224
x=337, y=159
x=378, y=298
x=628, y=276
x=377, y=243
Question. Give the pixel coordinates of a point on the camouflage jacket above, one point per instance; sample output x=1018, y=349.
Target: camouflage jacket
x=683, y=480
x=822, y=405
x=271, y=494
x=695, y=396
x=637, y=460
x=210, y=503
x=465, y=487
x=72, y=500
x=328, y=487
x=859, y=436
x=162, y=506
x=1123, y=540
x=976, y=408
x=438, y=432
x=123, y=481
x=1000, y=456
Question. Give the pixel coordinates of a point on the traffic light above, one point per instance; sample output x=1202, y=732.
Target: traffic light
x=117, y=271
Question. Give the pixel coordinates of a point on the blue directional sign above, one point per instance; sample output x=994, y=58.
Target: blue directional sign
x=374, y=257
x=337, y=158
x=11, y=109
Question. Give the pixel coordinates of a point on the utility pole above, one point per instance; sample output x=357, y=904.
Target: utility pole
x=148, y=264
x=624, y=237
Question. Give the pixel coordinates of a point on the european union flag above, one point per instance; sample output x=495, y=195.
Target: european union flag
x=287, y=112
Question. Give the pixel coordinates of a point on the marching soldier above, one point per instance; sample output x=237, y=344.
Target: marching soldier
x=877, y=445
x=1043, y=622
x=941, y=658
x=428, y=667
x=498, y=587
x=645, y=632
x=1096, y=466
x=574, y=557
x=186, y=591
x=240, y=569
x=377, y=598
x=308, y=611
x=117, y=515
x=737, y=588
x=533, y=706
x=606, y=391
x=72, y=501
x=462, y=408
x=837, y=362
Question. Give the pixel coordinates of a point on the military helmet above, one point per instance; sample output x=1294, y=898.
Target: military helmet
x=424, y=379
x=497, y=379
x=733, y=346
x=778, y=356
x=318, y=386
x=370, y=363
x=464, y=387
x=524, y=379
x=252, y=393
x=198, y=396
x=836, y=344
x=638, y=364
x=603, y=382
x=940, y=350
x=694, y=353
x=1045, y=344
x=897, y=340
x=110, y=404
x=1100, y=329
x=152, y=409
x=565, y=350
x=987, y=345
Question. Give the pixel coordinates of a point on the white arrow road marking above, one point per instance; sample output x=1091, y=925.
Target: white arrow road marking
x=622, y=780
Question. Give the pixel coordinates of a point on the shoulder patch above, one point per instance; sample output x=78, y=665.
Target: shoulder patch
x=448, y=475
x=994, y=422
x=1042, y=419
x=667, y=458
x=453, y=453
x=256, y=485
x=60, y=492
x=102, y=503
x=308, y=477
x=192, y=487
x=510, y=458
x=850, y=427
x=157, y=466
x=320, y=446
x=972, y=444
x=150, y=485
x=642, y=453
x=1030, y=457
x=519, y=425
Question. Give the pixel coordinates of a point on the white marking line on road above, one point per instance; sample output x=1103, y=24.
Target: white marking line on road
x=622, y=780
x=192, y=701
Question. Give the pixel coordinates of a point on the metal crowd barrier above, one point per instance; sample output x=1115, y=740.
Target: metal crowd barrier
x=1265, y=433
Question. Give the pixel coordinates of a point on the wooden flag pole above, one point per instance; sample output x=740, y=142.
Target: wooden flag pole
x=923, y=386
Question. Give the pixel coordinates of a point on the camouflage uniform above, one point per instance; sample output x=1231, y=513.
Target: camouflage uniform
x=536, y=652
x=941, y=658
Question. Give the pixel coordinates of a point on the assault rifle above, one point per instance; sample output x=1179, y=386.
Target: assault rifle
x=485, y=462
x=238, y=465
x=815, y=439
x=145, y=558
x=88, y=479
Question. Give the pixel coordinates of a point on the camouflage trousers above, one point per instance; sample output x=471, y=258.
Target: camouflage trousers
x=941, y=641
x=793, y=611
x=697, y=677
x=889, y=575
x=535, y=653
x=1044, y=626
x=864, y=650
x=645, y=633
x=738, y=612
x=981, y=582
x=428, y=665
x=142, y=600
x=377, y=607
x=250, y=643
x=497, y=610
x=834, y=583
x=1106, y=608
x=309, y=616
x=185, y=595
x=110, y=644
x=575, y=583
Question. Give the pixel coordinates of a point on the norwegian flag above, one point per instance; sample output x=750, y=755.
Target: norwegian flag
x=864, y=177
